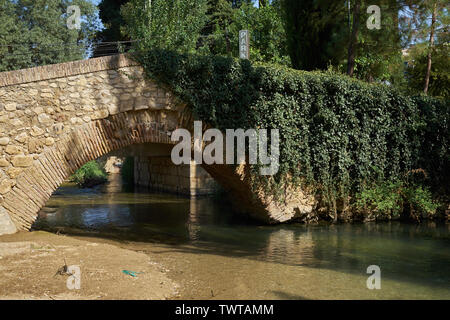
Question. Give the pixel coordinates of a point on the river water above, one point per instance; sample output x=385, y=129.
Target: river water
x=216, y=254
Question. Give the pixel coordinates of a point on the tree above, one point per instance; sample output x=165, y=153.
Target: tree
x=378, y=56
x=439, y=74
x=12, y=54
x=35, y=32
x=215, y=37
x=174, y=24
x=427, y=24
x=354, y=38
x=267, y=36
x=431, y=46
x=315, y=31
x=109, y=13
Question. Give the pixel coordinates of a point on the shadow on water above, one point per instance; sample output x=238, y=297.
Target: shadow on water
x=405, y=252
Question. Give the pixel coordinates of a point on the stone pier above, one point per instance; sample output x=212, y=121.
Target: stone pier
x=160, y=174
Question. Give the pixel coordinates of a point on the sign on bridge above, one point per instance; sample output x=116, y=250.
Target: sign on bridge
x=244, y=44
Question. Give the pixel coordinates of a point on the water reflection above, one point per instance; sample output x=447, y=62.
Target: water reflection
x=405, y=252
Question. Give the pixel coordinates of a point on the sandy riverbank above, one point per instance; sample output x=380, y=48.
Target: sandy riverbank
x=29, y=261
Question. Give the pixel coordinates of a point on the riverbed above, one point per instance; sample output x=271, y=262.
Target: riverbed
x=209, y=252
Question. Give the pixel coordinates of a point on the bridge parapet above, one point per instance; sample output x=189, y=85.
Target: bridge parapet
x=62, y=70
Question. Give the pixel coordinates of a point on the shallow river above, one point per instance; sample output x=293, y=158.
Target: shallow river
x=215, y=254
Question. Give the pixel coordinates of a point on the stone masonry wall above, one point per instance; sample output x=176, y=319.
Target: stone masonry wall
x=160, y=174
x=41, y=107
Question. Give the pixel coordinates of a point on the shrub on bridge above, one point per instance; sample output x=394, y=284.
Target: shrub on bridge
x=338, y=134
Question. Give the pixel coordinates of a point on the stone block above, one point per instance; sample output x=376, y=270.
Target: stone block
x=4, y=163
x=44, y=118
x=6, y=225
x=10, y=149
x=4, y=141
x=10, y=106
x=49, y=141
x=5, y=186
x=113, y=109
x=22, y=161
x=16, y=122
x=22, y=138
x=126, y=105
x=36, y=131
x=14, y=172
x=100, y=114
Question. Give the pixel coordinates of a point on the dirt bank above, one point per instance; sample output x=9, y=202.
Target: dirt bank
x=30, y=260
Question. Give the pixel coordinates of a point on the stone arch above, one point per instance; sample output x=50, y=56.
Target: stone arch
x=55, y=118
x=87, y=142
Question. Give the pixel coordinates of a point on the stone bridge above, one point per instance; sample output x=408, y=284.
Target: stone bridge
x=55, y=118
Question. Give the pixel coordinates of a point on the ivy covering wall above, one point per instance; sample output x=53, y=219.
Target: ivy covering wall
x=342, y=136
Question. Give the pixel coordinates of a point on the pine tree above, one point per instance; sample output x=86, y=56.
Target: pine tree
x=426, y=29
x=109, y=13
x=35, y=32
x=215, y=36
x=314, y=30
x=376, y=52
x=13, y=55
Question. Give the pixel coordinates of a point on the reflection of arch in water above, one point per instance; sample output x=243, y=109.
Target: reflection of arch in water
x=193, y=223
x=296, y=246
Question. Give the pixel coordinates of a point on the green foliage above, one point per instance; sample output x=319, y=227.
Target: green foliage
x=384, y=199
x=433, y=136
x=109, y=13
x=379, y=53
x=267, y=36
x=34, y=32
x=89, y=175
x=173, y=25
x=392, y=198
x=440, y=70
x=316, y=32
x=112, y=20
x=334, y=130
x=421, y=202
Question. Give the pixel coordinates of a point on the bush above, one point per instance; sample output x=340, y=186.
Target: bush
x=421, y=203
x=334, y=130
x=383, y=200
x=390, y=199
x=89, y=175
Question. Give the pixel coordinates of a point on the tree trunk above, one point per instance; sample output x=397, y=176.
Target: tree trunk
x=353, y=39
x=262, y=3
x=433, y=22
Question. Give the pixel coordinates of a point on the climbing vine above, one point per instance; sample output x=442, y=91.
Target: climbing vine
x=339, y=134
